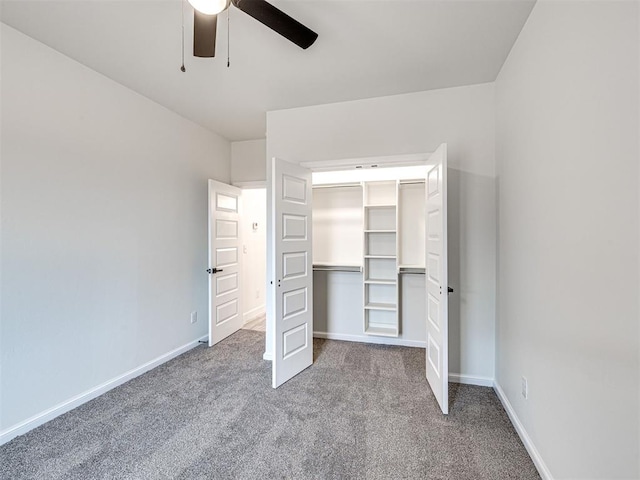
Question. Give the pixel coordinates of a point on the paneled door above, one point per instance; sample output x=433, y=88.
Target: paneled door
x=225, y=267
x=291, y=282
x=436, y=277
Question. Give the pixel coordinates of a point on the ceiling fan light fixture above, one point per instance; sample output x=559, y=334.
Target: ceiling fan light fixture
x=209, y=7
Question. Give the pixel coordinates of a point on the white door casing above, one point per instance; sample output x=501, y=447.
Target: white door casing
x=291, y=282
x=225, y=261
x=437, y=352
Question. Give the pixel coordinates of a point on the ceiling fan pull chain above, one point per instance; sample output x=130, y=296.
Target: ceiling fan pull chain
x=228, y=36
x=182, y=69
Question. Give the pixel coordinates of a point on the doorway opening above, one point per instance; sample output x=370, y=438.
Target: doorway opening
x=254, y=258
x=290, y=302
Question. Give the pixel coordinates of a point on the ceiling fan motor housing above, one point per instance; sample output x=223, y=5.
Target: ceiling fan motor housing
x=205, y=25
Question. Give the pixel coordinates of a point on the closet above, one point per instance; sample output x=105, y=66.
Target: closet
x=358, y=252
x=372, y=231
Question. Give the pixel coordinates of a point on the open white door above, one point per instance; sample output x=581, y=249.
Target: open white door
x=225, y=267
x=437, y=278
x=290, y=269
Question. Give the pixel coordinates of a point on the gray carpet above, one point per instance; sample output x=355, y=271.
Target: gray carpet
x=361, y=411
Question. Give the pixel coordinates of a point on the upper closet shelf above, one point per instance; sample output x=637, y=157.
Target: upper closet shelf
x=379, y=281
x=391, y=307
x=337, y=268
x=338, y=185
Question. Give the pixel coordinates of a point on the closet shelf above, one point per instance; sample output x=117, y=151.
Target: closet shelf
x=381, y=306
x=382, y=330
x=381, y=256
x=408, y=269
x=337, y=268
x=379, y=231
x=338, y=185
x=381, y=205
x=379, y=282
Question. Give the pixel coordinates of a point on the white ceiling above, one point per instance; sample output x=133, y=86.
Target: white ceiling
x=365, y=48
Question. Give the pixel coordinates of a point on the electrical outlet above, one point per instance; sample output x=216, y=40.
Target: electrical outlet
x=525, y=388
x=194, y=317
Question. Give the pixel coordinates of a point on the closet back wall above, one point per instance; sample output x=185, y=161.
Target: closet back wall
x=462, y=117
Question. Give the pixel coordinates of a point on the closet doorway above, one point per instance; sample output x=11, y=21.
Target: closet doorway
x=291, y=256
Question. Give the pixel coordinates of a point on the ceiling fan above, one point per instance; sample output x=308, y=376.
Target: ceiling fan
x=205, y=17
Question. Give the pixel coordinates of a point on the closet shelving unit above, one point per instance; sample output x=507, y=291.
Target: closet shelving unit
x=372, y=226
x=380, y=247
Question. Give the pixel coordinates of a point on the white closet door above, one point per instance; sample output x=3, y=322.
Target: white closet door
x=436, y=277
x=225, y=267
x=292, y=272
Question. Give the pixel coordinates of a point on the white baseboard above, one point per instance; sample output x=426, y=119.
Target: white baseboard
x=543, y=470
x=267, y=356
x=253, y=313
x=53, y=412
x=370, y=339
x=471, y=379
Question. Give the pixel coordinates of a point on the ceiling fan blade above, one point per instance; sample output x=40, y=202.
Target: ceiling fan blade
x=278, y=21
x=204, y=34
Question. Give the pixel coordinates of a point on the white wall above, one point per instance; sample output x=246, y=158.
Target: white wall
x=567, y=151
x=254, y=266
x=464, y=119
x=248, y=161
x=104, y=228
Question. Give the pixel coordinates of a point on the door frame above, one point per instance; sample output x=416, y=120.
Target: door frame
x=417, y=159
x=248, y=185
x=349, y=163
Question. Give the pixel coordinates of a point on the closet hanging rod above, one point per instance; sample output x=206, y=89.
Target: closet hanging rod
x=411, y=271
x=411, y=182
x=338, y=185
x=337, y=268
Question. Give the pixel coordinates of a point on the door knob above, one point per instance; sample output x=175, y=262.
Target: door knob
x=214, y=270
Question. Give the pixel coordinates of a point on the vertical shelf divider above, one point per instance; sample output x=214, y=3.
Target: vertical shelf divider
x=380, y=247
